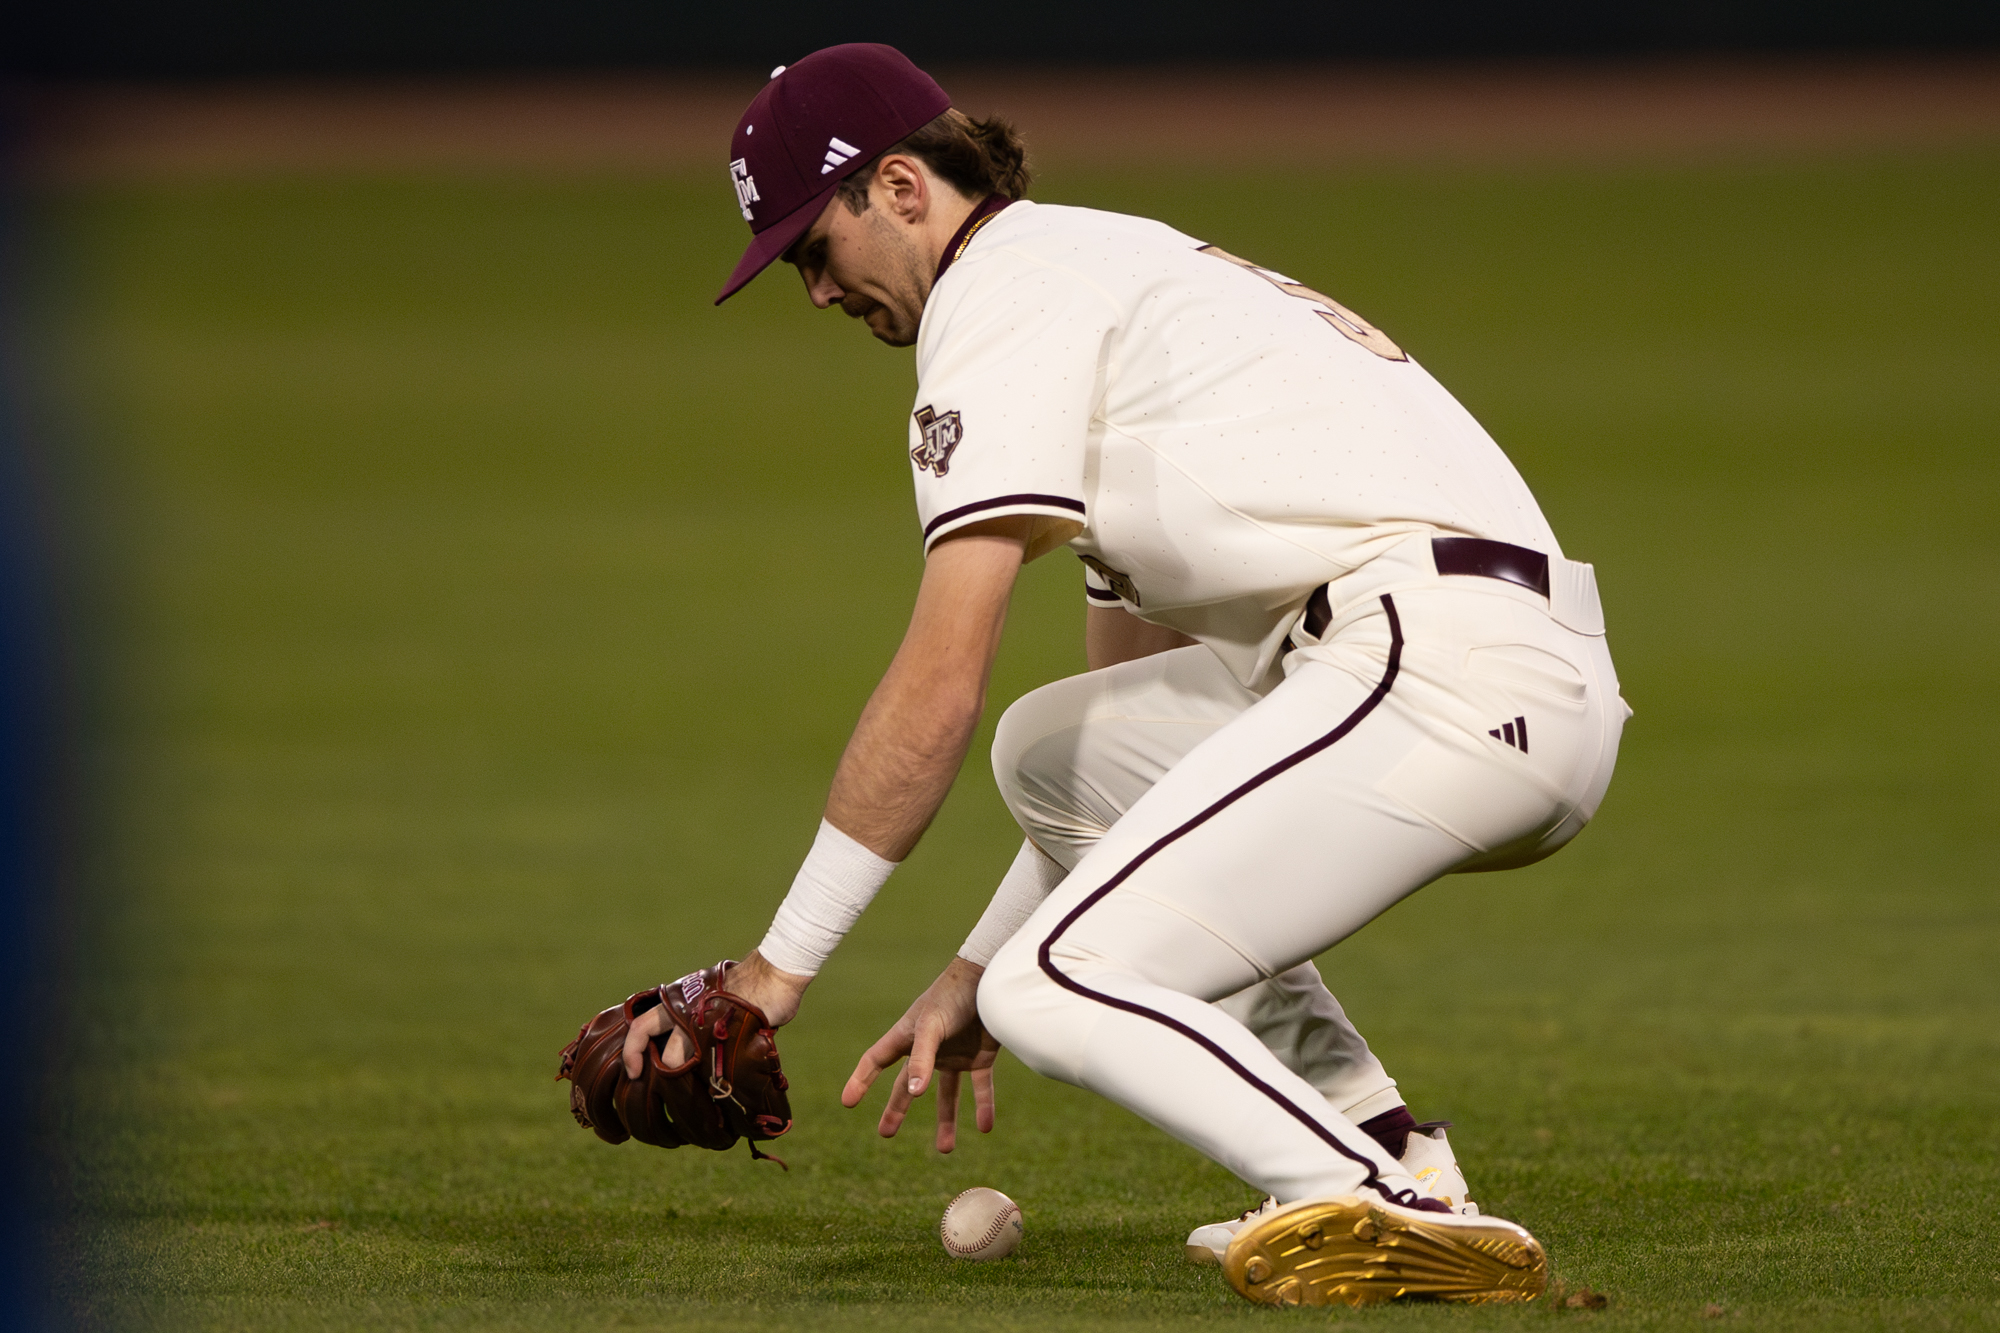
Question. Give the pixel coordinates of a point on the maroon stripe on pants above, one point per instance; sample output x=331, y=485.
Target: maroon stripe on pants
x=1290, y=761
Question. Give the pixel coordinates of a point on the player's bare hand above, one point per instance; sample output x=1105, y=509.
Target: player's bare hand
x=771, y=990
x=941, y=1035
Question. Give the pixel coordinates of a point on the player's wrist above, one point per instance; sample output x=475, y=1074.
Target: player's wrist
x=1029, y=880
x=962, y=969
x=772, y=989
x=840, y=877
x=767, y=973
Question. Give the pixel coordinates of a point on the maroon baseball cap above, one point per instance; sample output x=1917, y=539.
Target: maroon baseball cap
x=813, y=125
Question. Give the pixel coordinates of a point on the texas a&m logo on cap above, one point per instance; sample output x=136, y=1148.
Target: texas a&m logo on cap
x=812, y=125
x=746, y=188
x=941, y=436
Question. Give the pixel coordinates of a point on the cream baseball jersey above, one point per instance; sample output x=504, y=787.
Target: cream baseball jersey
x=1212, y=438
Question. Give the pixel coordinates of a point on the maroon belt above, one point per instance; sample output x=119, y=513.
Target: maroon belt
x=1474, y=556
x=1492, y=560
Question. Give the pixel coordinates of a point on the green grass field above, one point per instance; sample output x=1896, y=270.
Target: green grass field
x=480, y=616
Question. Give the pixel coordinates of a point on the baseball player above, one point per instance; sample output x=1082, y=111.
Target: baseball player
x=1335, y=653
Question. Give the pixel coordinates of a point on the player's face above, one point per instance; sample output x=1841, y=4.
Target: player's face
x=866, y=264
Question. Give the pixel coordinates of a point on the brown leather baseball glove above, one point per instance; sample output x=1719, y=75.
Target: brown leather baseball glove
x=729, y=1088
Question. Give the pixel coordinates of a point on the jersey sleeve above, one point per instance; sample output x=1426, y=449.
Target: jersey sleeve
x=1009, y=378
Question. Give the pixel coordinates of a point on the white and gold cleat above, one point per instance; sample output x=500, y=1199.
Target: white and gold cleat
x=1427, y=1158
x=1206, y=1245
x=1430, y=1162
x=1351, y=1251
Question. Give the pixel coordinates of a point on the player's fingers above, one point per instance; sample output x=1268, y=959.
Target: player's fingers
x=866, y=1071
x=894, y=1045
x=898, y=1107
x=982, y=1099
x=858, y=1083
x=923, y=1059
x=947, y=1100
x=644, y=1027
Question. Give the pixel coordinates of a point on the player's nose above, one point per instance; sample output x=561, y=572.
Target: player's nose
x=824, y=291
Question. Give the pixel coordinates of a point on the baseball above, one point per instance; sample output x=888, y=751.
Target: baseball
x=980, y=1224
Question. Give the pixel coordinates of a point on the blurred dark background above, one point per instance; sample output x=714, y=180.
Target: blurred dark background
x=98, y=39
x=37, y=797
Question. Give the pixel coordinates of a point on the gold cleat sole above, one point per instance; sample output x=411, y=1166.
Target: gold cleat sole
x=1349, y=1251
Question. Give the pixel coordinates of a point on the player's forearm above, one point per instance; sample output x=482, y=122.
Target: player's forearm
x=1028, y=882
x=914, y=733
x=896, y=771
x=904, y=756
x=906, y=749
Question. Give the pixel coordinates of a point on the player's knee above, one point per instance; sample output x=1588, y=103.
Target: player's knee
x=1035, y=767
x=1027, y=722
x=1024, y=1009
x=1006, y=989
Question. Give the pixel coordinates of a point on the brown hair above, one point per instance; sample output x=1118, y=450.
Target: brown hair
x=974, y=157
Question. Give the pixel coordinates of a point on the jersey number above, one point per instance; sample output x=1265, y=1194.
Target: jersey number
x=1350, y=324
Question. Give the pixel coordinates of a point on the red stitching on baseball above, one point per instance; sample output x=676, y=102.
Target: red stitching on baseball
x=993, y=1230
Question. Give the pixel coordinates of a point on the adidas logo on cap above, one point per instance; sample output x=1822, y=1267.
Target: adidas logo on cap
x=870, y=93
x=838, y=152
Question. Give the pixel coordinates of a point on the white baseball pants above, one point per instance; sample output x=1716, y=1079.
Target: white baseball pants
x=1217, y=841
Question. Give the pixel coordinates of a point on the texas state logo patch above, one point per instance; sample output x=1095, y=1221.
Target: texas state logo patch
x=942, y=432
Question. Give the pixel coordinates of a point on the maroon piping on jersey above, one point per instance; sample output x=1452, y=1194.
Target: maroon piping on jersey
x=989, y=208
x=1290, y=761
x=997, y=502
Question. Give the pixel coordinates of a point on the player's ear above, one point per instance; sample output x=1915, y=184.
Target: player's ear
x=903, y=181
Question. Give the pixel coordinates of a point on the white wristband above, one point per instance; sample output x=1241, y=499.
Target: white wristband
x=1027, y=882
x=839, y=878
